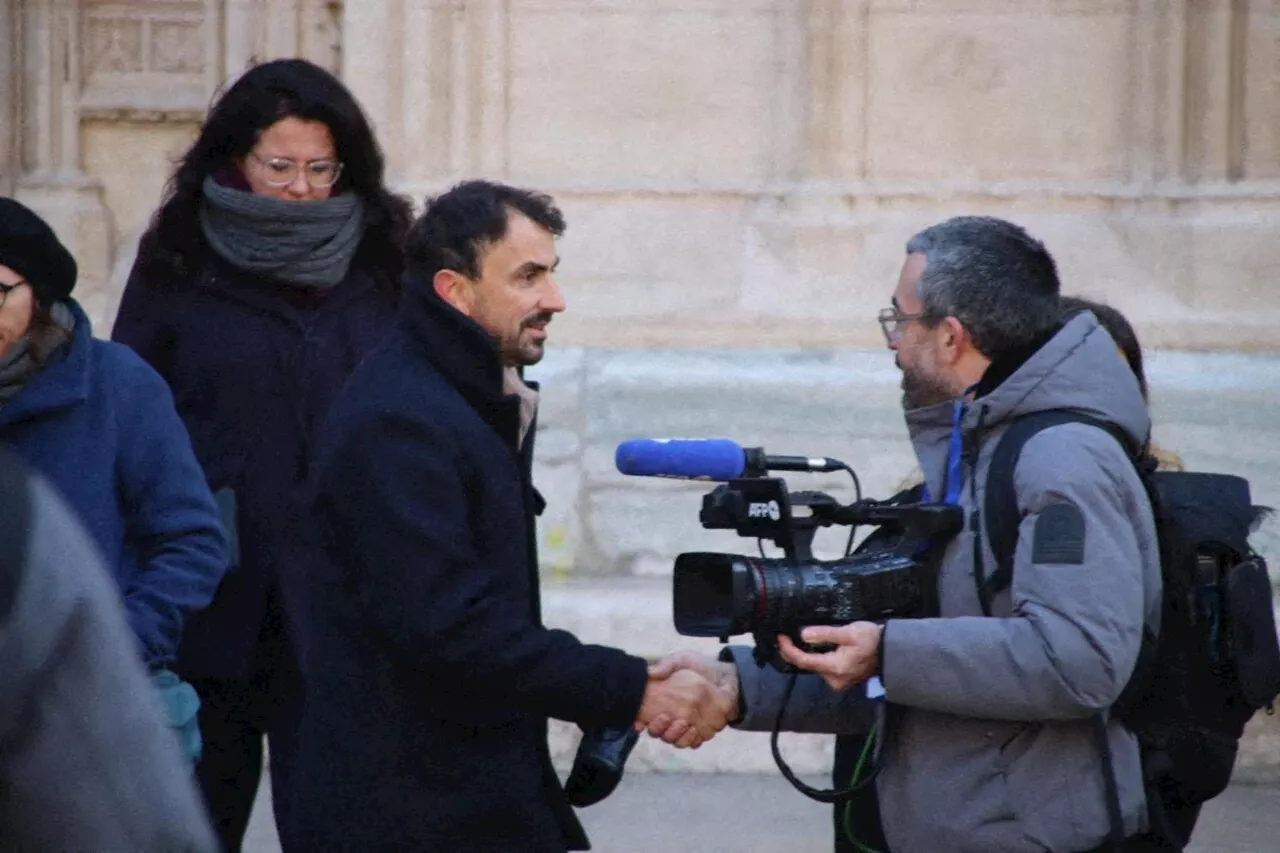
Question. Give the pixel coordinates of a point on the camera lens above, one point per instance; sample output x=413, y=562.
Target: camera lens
x=721, y=595
x=713, y=595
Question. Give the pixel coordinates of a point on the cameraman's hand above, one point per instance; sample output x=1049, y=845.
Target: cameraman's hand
x=853, y=660
x=685, y=707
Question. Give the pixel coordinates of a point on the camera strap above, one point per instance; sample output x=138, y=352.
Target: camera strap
x=1000, y=502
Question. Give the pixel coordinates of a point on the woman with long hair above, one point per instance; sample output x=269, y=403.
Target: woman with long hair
x=270, y=270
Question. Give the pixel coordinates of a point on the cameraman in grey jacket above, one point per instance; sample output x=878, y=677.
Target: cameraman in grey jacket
x=988, y=742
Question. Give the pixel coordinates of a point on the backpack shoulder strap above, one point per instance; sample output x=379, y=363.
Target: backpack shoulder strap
x=1000, y=502
x=1000, y=511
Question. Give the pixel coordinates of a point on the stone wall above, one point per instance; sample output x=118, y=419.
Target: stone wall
x=744, y=172
x=737, y=173
x=1220, y=412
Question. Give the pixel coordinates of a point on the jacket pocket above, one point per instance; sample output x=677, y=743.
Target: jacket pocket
x=1054, y=777
x=1012, y=745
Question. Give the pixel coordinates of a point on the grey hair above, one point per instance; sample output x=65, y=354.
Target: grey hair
x=992, y=276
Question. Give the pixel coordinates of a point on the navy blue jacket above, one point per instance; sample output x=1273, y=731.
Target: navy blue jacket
x=429, y=675
x=100, y=424
x=253, y=365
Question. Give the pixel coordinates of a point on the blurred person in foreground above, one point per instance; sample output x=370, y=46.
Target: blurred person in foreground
x=86, y=759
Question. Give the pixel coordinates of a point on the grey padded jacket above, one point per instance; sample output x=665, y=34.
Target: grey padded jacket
x=989, y=744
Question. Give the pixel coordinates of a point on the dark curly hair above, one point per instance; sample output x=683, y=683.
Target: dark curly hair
x=458, y=226
x=173, y=248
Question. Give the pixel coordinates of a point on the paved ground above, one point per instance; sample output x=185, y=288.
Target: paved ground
x=758, y=813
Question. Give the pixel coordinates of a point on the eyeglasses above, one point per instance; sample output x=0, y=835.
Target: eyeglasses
x=893, y=323
x=6, y=289
x=281, y=171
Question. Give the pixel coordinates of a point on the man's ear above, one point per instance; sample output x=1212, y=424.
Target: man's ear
x=455, y=288
x=955, y=340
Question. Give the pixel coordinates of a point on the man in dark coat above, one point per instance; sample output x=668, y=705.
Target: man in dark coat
x=429, y=676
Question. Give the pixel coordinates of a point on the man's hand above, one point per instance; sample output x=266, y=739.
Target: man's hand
x=851, y=662
x=709, y=713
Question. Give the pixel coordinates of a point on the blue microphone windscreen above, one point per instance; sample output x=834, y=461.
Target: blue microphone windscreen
x=686, y=458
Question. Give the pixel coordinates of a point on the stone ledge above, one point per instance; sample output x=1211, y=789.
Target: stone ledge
x=635, y=614
x=736, y=328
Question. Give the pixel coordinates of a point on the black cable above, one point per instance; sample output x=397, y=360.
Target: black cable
x=834, y=795
x=857, y=497
x=857, y=486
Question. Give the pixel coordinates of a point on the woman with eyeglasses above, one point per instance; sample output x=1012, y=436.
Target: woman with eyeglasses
x=95, y=421
x=270, y=270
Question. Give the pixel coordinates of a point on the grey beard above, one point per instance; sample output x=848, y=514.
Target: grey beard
x=919, y=391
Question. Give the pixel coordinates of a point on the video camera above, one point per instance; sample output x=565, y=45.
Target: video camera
x=721, y=595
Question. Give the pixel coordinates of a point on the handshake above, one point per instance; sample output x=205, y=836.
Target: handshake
x=690, y=697
x=687, y=700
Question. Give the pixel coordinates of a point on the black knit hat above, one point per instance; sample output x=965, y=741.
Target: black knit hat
x=29, y=247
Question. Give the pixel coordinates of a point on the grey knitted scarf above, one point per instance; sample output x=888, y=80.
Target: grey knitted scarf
x=310, y=243
x=19, y=365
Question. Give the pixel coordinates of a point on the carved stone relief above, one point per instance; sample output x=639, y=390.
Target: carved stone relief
x=176, y=48
x=114, y=45
x=163, y=59
x=148, y=59
x=321, y=33
x=258, y=30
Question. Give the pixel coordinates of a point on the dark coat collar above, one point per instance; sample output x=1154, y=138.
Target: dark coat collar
x=465, y=354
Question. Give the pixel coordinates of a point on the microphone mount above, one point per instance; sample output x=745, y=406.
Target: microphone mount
x=758, y=463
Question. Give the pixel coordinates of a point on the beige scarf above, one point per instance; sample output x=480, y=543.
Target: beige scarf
x=513, y=384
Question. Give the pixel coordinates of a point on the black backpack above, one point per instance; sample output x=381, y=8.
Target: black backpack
x=1216, y=658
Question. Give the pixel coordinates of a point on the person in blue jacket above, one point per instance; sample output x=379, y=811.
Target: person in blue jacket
x=270, y=270
x=94, y=419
